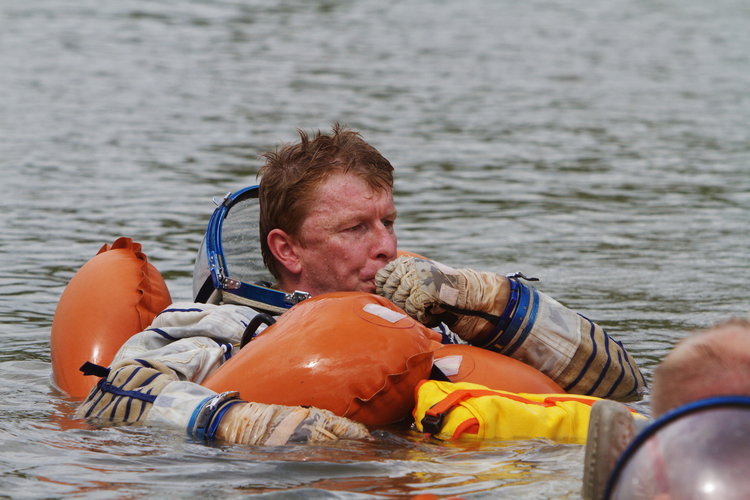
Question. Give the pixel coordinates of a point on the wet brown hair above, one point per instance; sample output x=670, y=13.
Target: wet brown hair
x=292, y=174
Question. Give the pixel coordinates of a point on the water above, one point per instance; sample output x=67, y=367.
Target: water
x=603, y=148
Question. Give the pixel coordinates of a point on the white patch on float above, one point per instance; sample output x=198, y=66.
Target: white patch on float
x=449, y=365
x=384, y=313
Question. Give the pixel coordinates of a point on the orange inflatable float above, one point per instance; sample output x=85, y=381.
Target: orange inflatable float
x=466, y=363
x=113, y=296
x=353, y=353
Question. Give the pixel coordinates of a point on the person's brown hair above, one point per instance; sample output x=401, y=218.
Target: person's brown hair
x=715, y=362
x=292, y=174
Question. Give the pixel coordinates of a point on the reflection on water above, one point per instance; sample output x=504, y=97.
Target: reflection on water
x=603, y=148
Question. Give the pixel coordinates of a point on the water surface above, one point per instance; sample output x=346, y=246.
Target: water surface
x=603, y=148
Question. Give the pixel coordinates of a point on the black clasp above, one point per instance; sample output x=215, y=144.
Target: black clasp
x=431, y=424
x=89, y=368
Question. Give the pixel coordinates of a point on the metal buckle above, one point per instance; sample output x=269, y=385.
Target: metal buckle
x=296, y=297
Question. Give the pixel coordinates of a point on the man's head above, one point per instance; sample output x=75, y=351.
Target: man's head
x=711, y=363
x=326, y=213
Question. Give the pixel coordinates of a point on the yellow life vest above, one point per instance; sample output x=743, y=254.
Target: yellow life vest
x=451, y=411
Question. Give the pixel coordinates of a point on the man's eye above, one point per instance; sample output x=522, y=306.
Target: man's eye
x=354, y=228
x=388, y=222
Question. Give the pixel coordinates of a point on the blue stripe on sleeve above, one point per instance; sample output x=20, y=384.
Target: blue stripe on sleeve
x=162, y=333
x=190, y=309
x=622, y=374
x=592, y=356
x=605, y=368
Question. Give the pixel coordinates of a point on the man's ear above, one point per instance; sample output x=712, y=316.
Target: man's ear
x=284, y=247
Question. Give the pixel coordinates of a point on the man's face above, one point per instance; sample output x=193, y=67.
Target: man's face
x=347, y=237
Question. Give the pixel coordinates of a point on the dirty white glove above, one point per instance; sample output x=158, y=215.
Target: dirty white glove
x=469, y=302
x=274, y=425
x=126, y=394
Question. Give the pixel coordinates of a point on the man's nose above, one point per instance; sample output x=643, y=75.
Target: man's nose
x=384, y=243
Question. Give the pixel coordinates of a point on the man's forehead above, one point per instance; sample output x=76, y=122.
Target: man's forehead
x=348, y=181
x=349, y=198
x=339, y=188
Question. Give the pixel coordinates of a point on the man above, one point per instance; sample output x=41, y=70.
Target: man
x=327, y=224
x=709, y=364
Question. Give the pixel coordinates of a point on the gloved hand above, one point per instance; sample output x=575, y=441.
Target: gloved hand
x=126, y=394
x=469, y=302
x=205, y=415
x=275, y=425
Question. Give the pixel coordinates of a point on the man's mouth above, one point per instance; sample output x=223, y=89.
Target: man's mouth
x=369, y=285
